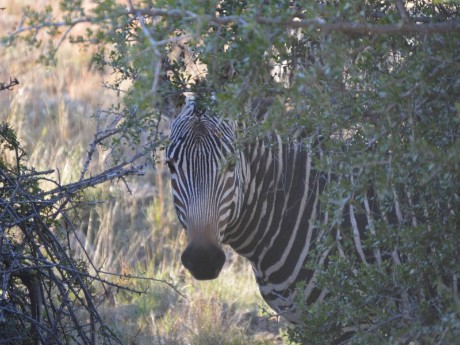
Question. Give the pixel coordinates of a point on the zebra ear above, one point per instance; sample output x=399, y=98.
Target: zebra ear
x=192, y=107
x=192, y=100
x=188, y=109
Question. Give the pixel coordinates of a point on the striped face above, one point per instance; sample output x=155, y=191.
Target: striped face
x=204, y=187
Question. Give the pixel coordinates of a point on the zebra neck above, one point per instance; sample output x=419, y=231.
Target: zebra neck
x=280, y=205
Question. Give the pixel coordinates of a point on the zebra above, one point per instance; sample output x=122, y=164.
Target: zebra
x=265, y=203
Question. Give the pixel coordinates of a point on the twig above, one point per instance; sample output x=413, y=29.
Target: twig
x=402, y=10
x=146, y=32
x=8, y=85
x=44, y=25
x=99, y=137
x=129, y=276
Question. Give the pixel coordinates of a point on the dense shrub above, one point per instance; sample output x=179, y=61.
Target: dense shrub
x=377, y=80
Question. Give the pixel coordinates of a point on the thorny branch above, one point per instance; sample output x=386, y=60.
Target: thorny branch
x=35, y=265
x=8, y=85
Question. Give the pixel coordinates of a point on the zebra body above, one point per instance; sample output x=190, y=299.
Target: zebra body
x=266, y=206
x=278, y=223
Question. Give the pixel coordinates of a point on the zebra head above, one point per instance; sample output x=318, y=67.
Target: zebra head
x=205, y=186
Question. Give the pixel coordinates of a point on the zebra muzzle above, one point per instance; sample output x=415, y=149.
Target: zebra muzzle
x=203, y=262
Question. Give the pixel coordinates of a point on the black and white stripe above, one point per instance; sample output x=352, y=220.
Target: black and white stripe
x=200, y=144
x=266, y=206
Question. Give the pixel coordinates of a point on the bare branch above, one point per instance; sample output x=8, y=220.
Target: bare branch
x=129, y=276
x=42, y=264
x=402, y=10
x=113, y=173
x=317, y=23
x=406, y=27
x=99, y=138
x=45, y=25
x=365, y=28
x=8, y=85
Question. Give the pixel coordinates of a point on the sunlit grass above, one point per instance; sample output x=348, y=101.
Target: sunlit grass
x=198, y=312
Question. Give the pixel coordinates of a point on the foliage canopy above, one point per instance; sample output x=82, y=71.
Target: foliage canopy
x=381, y=76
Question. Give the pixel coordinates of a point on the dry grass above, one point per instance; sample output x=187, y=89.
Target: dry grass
x=137, y=233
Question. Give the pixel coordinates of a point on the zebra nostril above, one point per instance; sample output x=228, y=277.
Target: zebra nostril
x=187, y=260
x=219, y=260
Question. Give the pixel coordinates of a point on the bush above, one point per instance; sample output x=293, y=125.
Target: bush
x=377, y=80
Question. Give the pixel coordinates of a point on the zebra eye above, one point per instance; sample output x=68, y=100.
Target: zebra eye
x=171, y=166
x=180, y=216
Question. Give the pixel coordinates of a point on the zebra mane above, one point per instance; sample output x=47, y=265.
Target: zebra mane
x=198, y=126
